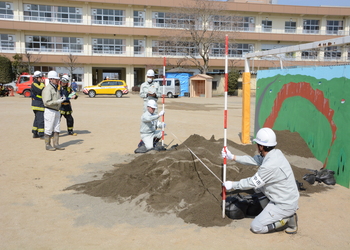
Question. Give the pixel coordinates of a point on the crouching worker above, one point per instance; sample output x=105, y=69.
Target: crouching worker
x=148, y=129
x=275, y=179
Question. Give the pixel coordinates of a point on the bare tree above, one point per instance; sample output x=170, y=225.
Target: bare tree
x=201, y=25
x=30, y=60
x=71, y=64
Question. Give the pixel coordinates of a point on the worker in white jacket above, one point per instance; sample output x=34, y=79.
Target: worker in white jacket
x=150, y=124
x=275, y=179
x=150, y=90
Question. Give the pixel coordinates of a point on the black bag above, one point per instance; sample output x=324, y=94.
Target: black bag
x=239, y=207
x=324, y=175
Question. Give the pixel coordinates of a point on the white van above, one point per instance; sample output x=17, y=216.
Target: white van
x=172, y=86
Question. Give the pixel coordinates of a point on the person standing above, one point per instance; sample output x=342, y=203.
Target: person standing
x=38, y=105
x=52, y=102
x=149, y=125
x=150, y=90
x=74, y=86
x=66, y=107
x=275, y=179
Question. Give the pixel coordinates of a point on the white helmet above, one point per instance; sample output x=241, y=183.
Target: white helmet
x=65, y=79
x=53, y=75
x=38, y=74
x=152, y=104
x=266, y=137
x=150, y=72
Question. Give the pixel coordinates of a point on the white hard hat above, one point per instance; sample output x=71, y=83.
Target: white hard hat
x=152, y=104
x=150, y=72
x=266, y=137
x=65, y=79
x=53, y=75
x=38, y=74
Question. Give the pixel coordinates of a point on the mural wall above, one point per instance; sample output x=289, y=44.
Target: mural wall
x=315, y=102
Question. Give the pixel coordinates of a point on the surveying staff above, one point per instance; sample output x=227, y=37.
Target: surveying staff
x=52, y=101
x=150, y=90
x=149, y=125
x=275, y=179
x=66, y=107
x=38, y=105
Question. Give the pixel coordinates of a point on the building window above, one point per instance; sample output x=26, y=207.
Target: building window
x=7, y=42
x=309, y=54
x=171, y=20
x=108, y=17
x=160, y=48
x=108, y=46
x=332, y=53
x=43, y=69
x=233, y=23
x=214, y=85
x=266, y=26
x=234, y=50
x=6, y=10
x=139, y=18
x=311, y=26
x=290, y=27
x=139, y=47
x=47, y=13
x=335, y=27
x=54, y=44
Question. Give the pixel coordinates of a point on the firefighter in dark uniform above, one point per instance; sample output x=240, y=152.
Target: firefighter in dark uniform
x=66, y=108
x=38, y=105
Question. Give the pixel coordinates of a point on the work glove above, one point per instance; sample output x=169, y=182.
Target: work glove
x=228, y=185
x=61, y=99
x=161, y=113
x=227, y=154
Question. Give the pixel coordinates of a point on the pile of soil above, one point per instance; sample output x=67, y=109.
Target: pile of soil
x=175, y=181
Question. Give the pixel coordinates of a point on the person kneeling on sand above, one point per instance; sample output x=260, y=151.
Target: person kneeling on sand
x=148, y=129
x=275, y=179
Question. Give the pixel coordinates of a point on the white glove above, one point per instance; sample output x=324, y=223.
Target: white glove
x=227, y=154
x=228, y=185
x=61, y=99
x=161, y=113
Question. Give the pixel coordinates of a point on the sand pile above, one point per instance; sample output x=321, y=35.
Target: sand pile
x=175, y=181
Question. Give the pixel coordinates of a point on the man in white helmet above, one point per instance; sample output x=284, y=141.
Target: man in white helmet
x=38, y=105
x=149, y=125
x=150, y=90
x=52, y=101
x=275, y=179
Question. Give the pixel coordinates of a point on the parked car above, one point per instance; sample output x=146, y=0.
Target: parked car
x=23, y=83
x=11, y=85
x=107, y=87
x=172, y=86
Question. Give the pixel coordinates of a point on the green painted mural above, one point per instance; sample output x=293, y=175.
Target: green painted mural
x=313, y=102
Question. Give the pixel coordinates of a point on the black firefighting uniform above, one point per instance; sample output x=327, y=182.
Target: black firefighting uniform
x=37, y=107
x=66, y=107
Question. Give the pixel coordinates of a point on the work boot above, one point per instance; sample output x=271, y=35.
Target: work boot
x=278, y=225
x=55, y=141
x=70, y=132
x=292, y=225
x=48, y=143
x=35, y=135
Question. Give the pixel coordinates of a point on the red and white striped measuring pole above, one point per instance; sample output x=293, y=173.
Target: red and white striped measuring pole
x=225, y=129
x=163, y=99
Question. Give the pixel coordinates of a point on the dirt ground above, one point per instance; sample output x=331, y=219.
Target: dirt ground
x=37, y=212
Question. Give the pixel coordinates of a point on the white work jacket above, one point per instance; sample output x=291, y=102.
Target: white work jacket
x=274, y=178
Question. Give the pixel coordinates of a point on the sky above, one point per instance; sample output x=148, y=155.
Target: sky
x=315, y=2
